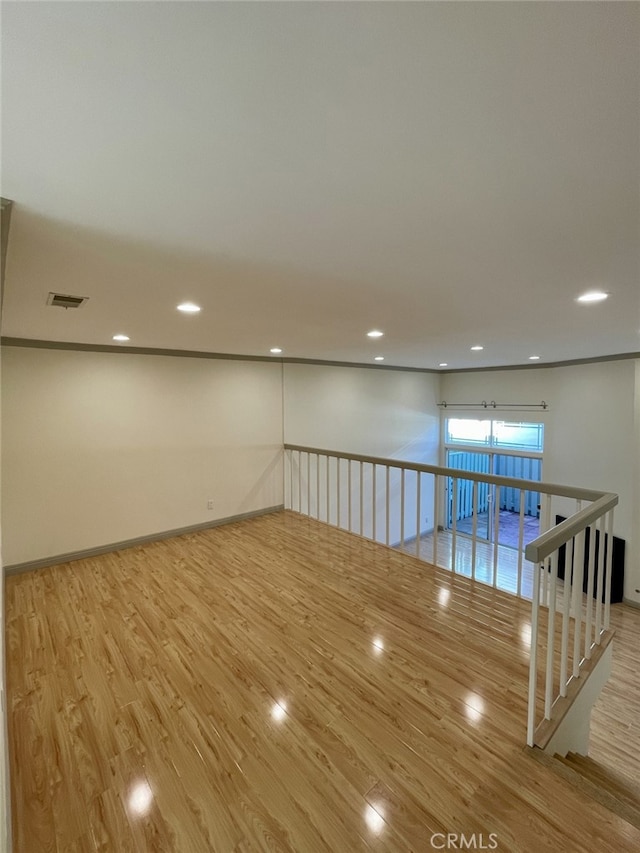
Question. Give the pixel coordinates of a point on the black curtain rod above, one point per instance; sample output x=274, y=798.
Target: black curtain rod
x=493, y=405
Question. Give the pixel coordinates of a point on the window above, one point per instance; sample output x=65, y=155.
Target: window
x=462, y=431
x=508, y=435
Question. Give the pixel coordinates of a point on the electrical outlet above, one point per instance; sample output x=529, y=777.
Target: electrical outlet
x=209, y=504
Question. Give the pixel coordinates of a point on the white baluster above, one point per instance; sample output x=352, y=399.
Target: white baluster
x=521, y=540
x=374, y=501
x=609, y=571
x=600, y=580
x=417, y=513
x=388, y=501
x=578, y=577
x=590, y=587
x=349, y=496
x=496, y=533
x=474, y=531
x=533, y=654
x=551, y=633
x=402, y=508
x=566, y=601
x=454, y=531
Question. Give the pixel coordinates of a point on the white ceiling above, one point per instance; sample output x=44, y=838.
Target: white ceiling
x=452, y=173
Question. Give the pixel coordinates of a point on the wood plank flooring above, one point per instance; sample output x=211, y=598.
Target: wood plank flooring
x=615, y=720
x=505, y=573
x=615, y=724
x=276, y=684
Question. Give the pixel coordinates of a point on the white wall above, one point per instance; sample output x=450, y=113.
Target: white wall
x=359, y=410
x=634, y=592
x=102, y=447
x=5, y=788
x=372, y=412
x=105, y=447
x=590, y=436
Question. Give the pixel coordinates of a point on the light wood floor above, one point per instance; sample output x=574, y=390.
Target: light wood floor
x=615, y=724
x=506, y=572
x=615, y=719
x=277, y=684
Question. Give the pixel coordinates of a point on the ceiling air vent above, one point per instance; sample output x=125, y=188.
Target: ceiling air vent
x=64, y=301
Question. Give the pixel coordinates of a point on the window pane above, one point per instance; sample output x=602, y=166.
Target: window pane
x=467, y=431
x=518, y=436
x=514, y=435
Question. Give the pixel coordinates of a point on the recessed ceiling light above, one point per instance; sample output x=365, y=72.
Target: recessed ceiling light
x=593, y=296
x=375, y=333
x=443, y=364
x=477, y=348
x=275, y=350
x=120, y=338
x=379, y=358
x=189, y=308
x=534, y=358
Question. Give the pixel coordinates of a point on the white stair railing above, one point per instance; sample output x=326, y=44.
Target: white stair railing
x=406, y=505
x=580, y=631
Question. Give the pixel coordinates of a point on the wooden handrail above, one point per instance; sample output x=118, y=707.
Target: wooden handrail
x=514, y=482
x=540, y=548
